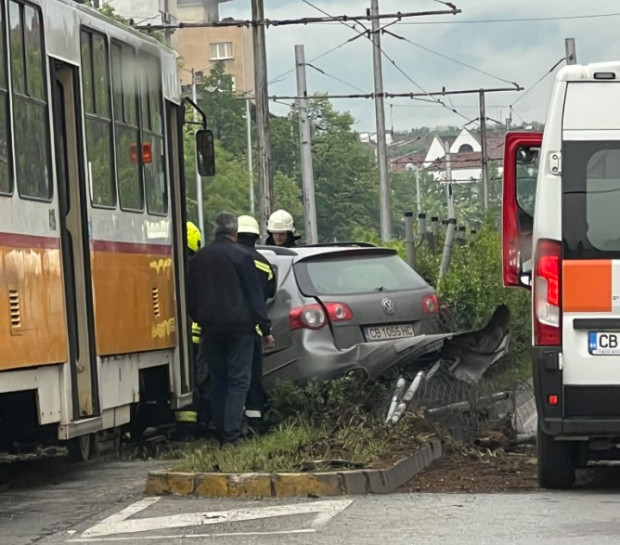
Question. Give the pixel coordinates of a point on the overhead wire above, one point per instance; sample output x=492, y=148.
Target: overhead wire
x=396, y=66
x=314, y=59
x=336, y=78
x=516, y=20
x=448, y=57
x=546, y=74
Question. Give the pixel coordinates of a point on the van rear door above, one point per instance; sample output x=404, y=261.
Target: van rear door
x=591, y=250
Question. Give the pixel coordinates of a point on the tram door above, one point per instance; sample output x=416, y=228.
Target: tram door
x=72, y=195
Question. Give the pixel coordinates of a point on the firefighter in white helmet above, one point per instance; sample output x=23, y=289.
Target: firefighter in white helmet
x=281, y=230
x=248, y=234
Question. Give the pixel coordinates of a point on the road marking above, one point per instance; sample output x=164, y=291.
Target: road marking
x=193, y=536
x=118, y=523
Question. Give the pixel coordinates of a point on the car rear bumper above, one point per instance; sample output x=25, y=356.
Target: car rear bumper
x=324, y=361
x=580, y=420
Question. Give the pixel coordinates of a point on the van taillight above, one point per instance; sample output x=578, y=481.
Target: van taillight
x=313, y=316
x=547, y=293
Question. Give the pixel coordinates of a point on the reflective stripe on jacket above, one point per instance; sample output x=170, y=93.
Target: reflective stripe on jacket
x=196, y=332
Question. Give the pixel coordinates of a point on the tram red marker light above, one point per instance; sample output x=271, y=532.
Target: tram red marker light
x=147, y=153
x=553, y=399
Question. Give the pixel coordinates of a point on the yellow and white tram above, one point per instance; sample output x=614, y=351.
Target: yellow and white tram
x=92, y=311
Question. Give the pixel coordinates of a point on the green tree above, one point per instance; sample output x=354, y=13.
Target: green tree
x=225, y=111
x=228, y=190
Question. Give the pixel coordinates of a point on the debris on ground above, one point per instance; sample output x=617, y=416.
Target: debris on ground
x=478, y=471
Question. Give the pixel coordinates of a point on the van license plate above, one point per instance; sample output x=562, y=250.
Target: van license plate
x=604, y=344
x=387, y=332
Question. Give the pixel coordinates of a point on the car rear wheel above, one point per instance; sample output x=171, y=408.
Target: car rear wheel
x=556, y=462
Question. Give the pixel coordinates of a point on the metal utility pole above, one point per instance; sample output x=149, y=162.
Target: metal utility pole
x=199, y=203
x=451, y=223
x=417, y=190
x=483, y=153
x=409, y=239
x=449, y=194
x=248, y=130
x=571, y=51
x=384, y=192
x=261, y=90
x=305, y=137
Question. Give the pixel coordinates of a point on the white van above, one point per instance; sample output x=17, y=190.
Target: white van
x=561, y=238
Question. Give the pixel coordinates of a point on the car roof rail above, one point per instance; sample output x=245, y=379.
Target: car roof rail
x=278, y=250
x=337, y=244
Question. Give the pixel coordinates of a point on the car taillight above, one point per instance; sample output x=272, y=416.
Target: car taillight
x=313, y=316
x=430, y=305
x=547, y=293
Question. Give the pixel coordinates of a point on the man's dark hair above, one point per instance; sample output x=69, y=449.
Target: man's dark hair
x=225, y=224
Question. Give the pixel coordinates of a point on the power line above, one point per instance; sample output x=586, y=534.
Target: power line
x=303, y=21
x=518, y=20
x=335, y=78
x=413, y=96
x=366, y=34
x=324, y=54
x=546, y=74
x=449, y=58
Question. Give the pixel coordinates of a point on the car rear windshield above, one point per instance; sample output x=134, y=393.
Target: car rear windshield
x=591, y=199
x=361, y=273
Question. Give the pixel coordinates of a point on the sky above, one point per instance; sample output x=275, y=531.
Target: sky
x=512, y=51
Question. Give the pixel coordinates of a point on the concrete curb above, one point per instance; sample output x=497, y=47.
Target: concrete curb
x=287, y=485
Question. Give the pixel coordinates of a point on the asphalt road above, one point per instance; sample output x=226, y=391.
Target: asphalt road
x=101, y=503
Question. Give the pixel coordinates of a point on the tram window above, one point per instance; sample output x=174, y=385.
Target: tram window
x=127, y=139
x=34, y=53
x=87, y=72
x=95, y=82
x=6, y=182
x=101, y=76
x=17, y=48
x=152, y=135
x=30, y=109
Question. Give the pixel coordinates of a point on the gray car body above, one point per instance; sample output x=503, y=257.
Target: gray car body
x=337, y=348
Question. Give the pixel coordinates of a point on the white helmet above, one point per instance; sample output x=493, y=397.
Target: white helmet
x=280, y=222
x=247, y=224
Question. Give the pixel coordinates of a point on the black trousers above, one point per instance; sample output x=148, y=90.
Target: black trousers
x=256, y=394
x=229, y=360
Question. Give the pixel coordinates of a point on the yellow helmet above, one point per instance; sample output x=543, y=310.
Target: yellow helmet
x=194, y=238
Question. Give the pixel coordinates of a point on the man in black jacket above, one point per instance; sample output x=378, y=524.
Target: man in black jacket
x=248, y=235
x=227, y=302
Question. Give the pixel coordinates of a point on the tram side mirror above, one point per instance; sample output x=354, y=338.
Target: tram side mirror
x=205, y=152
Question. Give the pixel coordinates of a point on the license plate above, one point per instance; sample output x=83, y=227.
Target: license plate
x=387, y=332
x=604, y=344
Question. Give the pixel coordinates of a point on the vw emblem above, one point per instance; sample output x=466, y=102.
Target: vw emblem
x=388, y=306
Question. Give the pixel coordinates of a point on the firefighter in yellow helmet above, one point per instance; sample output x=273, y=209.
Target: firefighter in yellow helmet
x=194, y=242
x=187, y=418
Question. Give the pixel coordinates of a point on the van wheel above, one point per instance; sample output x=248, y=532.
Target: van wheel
x=556, y=462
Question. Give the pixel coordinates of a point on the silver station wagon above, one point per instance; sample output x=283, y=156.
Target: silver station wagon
x=344, y=308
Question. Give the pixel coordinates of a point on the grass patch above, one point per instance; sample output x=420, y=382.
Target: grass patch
x=330, y=425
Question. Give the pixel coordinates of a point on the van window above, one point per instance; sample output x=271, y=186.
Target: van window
x=591, y=187
x=527, y=175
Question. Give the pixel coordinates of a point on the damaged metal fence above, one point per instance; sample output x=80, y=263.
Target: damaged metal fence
x=471, y=412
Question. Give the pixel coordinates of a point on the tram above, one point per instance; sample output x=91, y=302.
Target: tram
x=93, y=324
